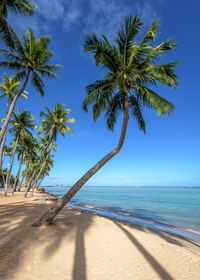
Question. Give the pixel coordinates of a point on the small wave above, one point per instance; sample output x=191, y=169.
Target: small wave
x=194, y=231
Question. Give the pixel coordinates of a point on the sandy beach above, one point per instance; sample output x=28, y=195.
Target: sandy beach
x=81, y=245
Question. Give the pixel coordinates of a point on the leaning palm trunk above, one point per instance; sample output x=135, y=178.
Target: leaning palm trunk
x=36, y=186
x=39, y=183
x=12, y=106
x=55, y=209
x=18, y=173
x=34, y=183
x=4, y=137
x=3, y=172
x=7, y=183
x=42, y=160
x=1, y=149
x=33, y=187
x=20, y=185
x=3, y=177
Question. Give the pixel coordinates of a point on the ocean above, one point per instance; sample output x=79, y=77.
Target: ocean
x=171, y=209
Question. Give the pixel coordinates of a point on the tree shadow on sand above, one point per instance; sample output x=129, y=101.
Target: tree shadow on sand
x=18, y=237
x=158, y=268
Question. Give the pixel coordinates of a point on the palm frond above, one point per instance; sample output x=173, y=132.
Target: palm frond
x=100, y=87
x=113, y=110
x=104, y=53
x=13, y=66
x=161, y=105
x=152, y=32
x=37, y=83
x=5, y=32
x=125, y=36
x=136, y=112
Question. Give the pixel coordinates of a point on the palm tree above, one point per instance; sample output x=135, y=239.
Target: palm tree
x=10, y=87
x=25, y=149
x=131, y=70
x=47, y=163
x=23, y=121
x=31, y=59
x=7, y=151
x=44, y=170
x=54, y=122
x=18, y=7
x=29, y=169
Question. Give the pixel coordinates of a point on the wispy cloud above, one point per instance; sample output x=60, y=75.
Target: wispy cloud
x=55, y=177
x=88, y=15
x=82, y=133
x=136, y=178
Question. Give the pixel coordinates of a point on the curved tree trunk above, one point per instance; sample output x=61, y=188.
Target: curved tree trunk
x=20, y=185
x=37, y=184
x=4, y=137
x=18, y=173
x=9, y=172
x=2, y=172
x=3, y=177
x=55, y=209
x=34, y=183
x=38, y=167
x=12, y=106
x=1, y=149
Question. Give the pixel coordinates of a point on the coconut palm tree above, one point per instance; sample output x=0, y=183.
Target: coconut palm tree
x=7, y=151
x=132, y=69
x=44, y=170
x=54, y=122
x=10, y=87
x=25, y=149
x=23, y=121
x=47, y=163
x=36, y=160
x=30, y=59
x=18, y=7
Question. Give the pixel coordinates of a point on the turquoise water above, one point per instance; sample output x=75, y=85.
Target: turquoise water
x=172, y=209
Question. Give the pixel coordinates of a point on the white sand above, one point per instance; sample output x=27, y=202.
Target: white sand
x=82, y=246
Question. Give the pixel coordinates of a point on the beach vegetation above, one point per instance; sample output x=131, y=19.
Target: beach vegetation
x=21, y=7
x=55, y=121
x=25, y=150
x=22, y=121
x=9, y=87
x=29, y=59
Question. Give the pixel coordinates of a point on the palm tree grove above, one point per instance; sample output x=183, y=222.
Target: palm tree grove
x=99, y=174
x=132, y=72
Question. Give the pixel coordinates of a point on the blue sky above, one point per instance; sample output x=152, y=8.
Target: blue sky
x=169, y=153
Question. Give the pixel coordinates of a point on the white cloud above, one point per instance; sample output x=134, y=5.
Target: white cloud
x=146, y=11
x=89, y=15
x=51, y=10
x=136, y=178
x=72, y=17
x=55, y=177
x=105, y=16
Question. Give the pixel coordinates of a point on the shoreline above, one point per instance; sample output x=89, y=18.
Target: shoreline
x=129, y=217
x=81, y=245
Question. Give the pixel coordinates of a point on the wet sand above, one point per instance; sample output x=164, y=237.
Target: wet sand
x=84, y=246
